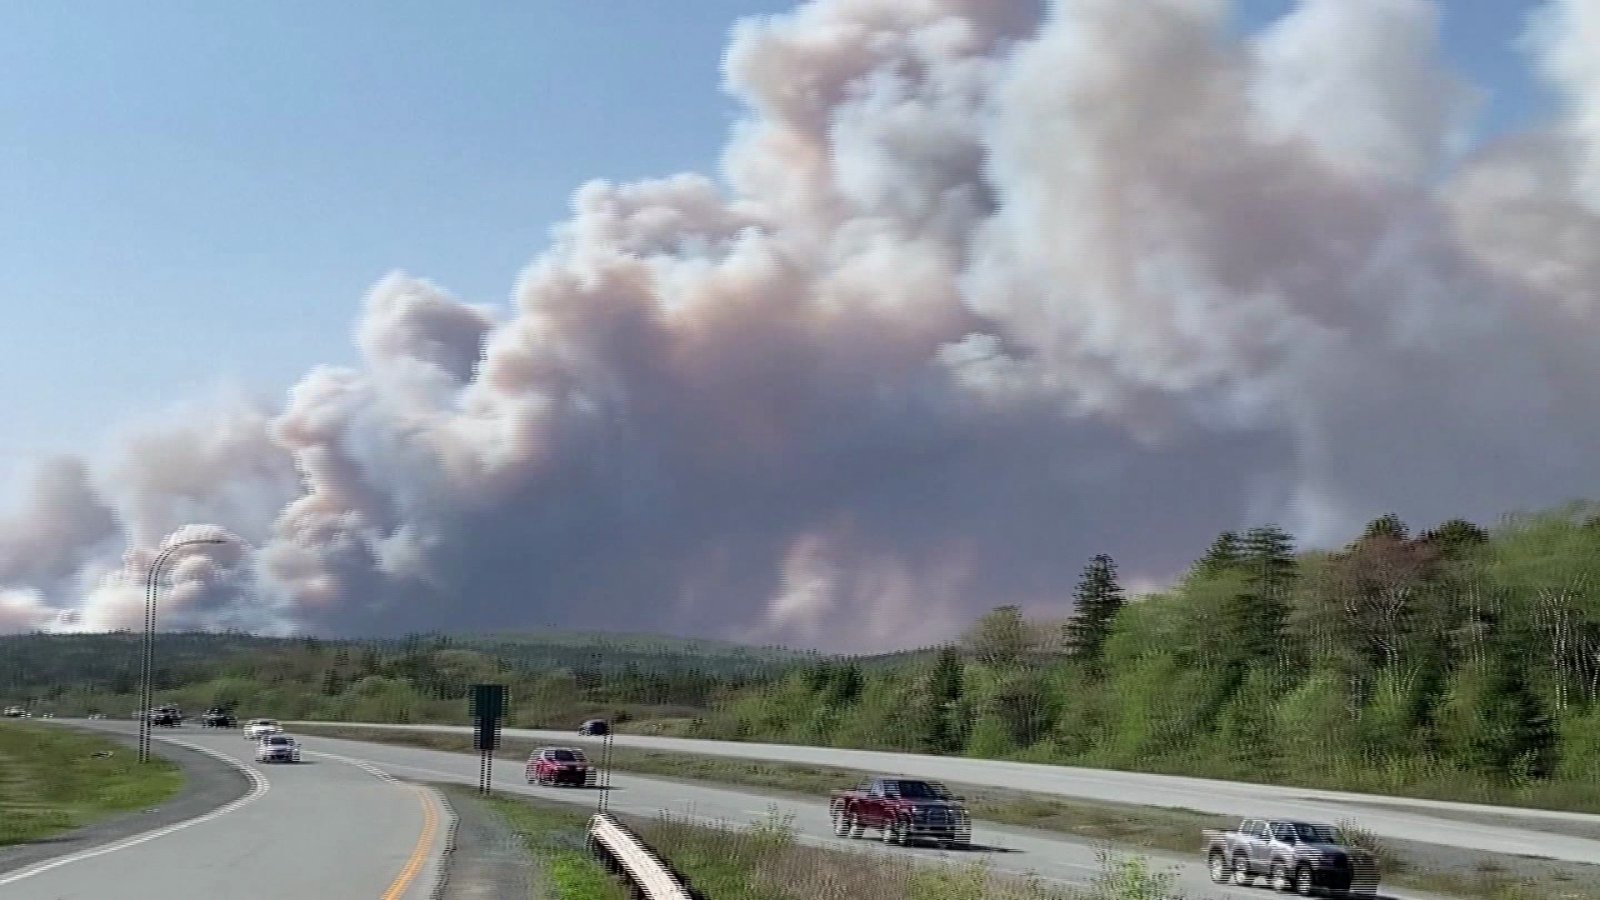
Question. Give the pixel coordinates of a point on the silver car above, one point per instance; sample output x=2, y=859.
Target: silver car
x=257, y=729
x=277, y=748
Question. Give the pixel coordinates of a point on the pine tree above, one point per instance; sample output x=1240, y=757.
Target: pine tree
x=1455, y=538
x=1259, y=616
x=941, y=733
x=1388, y=526
x=1269, y=557
x=1494, y=723
x=1224, y=553
x=332, y=683
x=1099, y=598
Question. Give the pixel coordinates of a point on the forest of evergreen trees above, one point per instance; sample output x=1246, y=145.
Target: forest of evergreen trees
x=1457, y=662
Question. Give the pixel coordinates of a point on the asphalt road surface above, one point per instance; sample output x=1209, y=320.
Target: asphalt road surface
x=1012, y=849
x=1402, y=818
x=322, y=828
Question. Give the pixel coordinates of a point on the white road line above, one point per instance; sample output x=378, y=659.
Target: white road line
x=361, y=764
x=258, y=785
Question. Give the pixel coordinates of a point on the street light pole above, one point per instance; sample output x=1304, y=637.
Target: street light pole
x=146, y=689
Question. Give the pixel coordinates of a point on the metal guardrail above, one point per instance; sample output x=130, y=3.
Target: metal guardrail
x=646, y=870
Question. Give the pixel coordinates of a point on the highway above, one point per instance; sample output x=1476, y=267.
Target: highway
x=1010, y=849
x=1429, y=821
x=321, y=828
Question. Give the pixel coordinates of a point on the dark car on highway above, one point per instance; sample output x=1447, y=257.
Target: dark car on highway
x=595, y=727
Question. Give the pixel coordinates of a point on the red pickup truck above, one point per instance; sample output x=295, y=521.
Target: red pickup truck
x=903, y=810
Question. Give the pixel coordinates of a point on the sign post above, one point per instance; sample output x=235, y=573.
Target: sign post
x=489, y=703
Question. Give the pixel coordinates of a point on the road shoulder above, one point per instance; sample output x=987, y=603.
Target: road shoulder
x=209, y=783
x=487, y=859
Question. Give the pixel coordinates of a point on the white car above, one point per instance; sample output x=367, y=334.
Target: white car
x=256, y=729
x=277, y=748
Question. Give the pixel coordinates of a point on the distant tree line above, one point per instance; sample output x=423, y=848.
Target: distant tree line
x=1458, y=662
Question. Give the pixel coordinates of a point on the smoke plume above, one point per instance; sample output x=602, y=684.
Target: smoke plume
x=985, y=287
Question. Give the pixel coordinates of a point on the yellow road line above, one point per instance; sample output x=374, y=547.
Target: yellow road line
x=419, y=855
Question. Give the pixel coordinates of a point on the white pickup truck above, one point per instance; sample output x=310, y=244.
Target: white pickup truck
x=1304, y=857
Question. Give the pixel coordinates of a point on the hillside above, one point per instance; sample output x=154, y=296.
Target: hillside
x=110, y=661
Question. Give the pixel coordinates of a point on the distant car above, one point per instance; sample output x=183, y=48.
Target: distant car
x=166, y=716
x=256, y=729
x=217, y=718
x=560, y=766
x=277, y=748
x=15, y=712
x=595, y=727
x=97, y=715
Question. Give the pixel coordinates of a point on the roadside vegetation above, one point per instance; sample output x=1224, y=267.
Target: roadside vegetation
x=765, y=862
x=53, y=779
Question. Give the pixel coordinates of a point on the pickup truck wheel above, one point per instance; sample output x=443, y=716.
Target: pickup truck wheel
x=1280, y=878
x=1302, y=882
x=1241, y=871
x=891, y=832
x=843, y=822
x=1218, y=864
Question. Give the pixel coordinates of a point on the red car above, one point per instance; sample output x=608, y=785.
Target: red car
x=560, y=765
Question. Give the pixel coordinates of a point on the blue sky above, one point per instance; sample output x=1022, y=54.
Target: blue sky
x=198, y=193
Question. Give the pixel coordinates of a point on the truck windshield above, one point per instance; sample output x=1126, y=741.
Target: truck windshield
x=1315, y=834
x=920, y=790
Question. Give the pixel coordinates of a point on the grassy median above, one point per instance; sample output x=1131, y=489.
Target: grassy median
x=53, y=779
x=1164, y=829
x=555, y=836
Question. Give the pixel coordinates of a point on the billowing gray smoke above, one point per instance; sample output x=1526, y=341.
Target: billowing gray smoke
x=985, y=289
